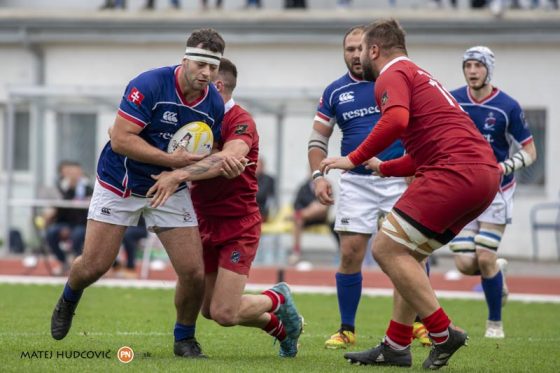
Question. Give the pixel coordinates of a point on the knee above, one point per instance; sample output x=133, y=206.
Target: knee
x=224, y=316
x=487, y=264
x=205, y=311
x=191, y=274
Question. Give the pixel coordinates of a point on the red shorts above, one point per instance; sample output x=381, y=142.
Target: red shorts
x=230, y=243
x=442, y=200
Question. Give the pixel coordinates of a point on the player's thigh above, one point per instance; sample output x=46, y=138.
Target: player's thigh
x=183, y=247
x=357, y=208
x=354, y=245
x=102, y=243
x=227, y=292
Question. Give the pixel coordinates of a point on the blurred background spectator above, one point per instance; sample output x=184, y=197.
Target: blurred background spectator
x=205, y=5
x=114, y=4
x=131, y=243
x=68, y=225
x=150, y=4
x=295, y=4
x=308, y=211
x=265, y=193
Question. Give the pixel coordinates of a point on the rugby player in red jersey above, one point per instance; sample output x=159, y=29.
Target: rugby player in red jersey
x=455, y=179
x=230, y=225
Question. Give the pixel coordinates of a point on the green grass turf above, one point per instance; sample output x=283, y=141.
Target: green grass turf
x=143, y=319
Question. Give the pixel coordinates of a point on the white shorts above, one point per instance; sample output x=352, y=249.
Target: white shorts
x=107, y=207
x=499, y=212
x=363, y=198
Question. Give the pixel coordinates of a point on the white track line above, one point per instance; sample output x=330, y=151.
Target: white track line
x=302, y=289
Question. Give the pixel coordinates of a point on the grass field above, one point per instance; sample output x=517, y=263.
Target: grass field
x=109, y=318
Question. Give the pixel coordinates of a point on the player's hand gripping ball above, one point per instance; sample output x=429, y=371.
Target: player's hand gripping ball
x=195, y=137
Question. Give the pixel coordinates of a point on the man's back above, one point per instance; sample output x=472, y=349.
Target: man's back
x=439, y=131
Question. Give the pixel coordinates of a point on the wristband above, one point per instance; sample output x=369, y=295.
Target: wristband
x=316, y=174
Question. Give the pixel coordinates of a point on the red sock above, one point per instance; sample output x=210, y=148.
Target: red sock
x=276, y=298
x=437, y=324
x=275, y=328
x=399, y=335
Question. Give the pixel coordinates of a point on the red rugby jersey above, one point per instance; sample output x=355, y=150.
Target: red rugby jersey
x=439, y=131
x=236, y=197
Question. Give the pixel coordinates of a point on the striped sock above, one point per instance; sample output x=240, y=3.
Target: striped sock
x=398, y=336
x=275, y=328
x=276, y=298
x=437, y=324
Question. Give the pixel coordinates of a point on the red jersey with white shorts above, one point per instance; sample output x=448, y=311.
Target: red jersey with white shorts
x=456, y=174
x=227, y=209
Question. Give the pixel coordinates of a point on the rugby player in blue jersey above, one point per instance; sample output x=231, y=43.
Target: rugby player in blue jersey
x=154, y=106
x=364, y=198
x=501, y=121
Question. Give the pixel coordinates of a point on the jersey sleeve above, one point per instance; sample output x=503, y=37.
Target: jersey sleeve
x=518, y=126
x=325, y=112
x=137, y=101
x=393, y=89
x=242, y=127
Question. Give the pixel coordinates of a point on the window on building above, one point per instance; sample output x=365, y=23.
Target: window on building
x=21, y=148
x=76, y=139
x=535, y=174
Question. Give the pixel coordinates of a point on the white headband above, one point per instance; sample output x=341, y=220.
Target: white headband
x=203, y=55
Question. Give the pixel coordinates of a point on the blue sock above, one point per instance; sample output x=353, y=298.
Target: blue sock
x=70, y=295
x=349, y=291
x=182, y=331
x=493, y=293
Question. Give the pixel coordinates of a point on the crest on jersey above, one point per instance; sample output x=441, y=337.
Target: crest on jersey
x=135, y=96
x=384, y=98
x=489, y=122
x=235, y=256
x=240, y=129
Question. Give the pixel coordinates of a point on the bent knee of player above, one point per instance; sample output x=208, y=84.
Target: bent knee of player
x=224, y=315
x=466, y=264
x=190, y=274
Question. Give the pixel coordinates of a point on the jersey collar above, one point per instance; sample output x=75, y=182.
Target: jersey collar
x=180, y=94
x=229, y=105
x=494, y=93
x=392, y=62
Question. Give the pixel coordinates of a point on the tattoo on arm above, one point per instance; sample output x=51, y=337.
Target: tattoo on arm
x=206, y=164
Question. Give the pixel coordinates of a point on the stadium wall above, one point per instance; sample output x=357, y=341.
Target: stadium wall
x=295, y=55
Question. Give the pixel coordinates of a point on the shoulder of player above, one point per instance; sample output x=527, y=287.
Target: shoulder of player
x=460, y=94
x=238, y=114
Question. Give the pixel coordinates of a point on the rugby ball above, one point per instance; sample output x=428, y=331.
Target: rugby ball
x=195, y=137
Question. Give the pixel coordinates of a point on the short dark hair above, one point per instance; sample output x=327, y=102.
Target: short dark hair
x=351, y=30
x=209, y=38
x=387, y=34
x=66, y=163
x=228, y=71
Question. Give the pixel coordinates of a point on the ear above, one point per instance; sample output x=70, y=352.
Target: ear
x=374, y=51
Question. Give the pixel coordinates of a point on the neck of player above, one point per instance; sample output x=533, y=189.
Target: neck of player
x=482, y=92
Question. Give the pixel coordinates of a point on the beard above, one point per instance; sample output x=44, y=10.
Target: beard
x=368, y=73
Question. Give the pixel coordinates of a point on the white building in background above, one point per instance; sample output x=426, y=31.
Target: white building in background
x=64, y=71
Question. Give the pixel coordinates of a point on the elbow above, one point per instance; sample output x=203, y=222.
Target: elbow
x=117, y=145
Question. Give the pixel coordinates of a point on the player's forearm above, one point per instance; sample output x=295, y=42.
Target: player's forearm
x=136, y=148
x=389, y=128
x=207, y=168
x=400, y=167
x=315, y=157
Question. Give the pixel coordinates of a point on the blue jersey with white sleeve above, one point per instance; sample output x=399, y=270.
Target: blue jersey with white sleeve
x=501, y=121
x=154, y=101
x=350, y=103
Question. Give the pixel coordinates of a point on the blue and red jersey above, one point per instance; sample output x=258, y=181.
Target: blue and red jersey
x=154, y=101
x=501, y=121
x=350, y=103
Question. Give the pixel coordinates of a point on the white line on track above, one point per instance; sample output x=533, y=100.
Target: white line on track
x=301, y=289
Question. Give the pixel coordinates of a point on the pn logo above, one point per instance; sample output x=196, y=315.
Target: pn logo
x=125, y=354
